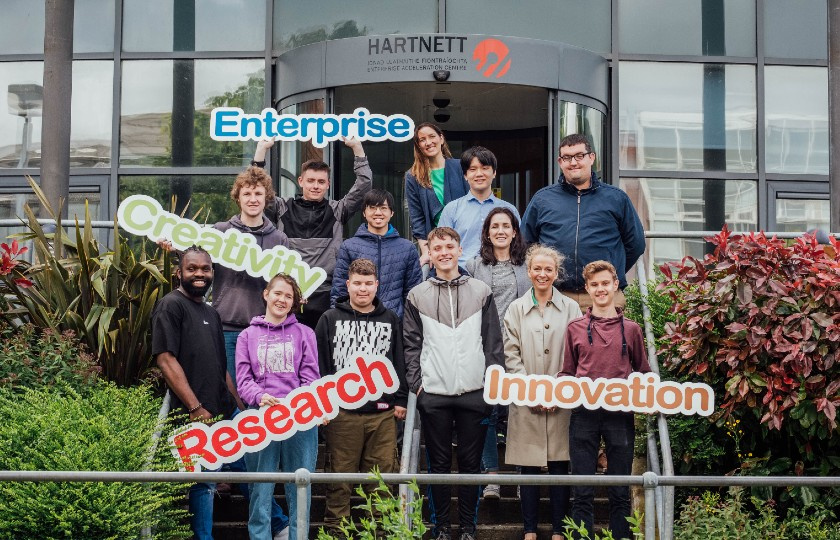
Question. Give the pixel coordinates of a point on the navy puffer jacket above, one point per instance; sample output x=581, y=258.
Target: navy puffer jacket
x=397, y=264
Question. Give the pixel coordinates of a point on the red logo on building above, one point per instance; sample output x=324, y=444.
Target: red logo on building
x=482, y=53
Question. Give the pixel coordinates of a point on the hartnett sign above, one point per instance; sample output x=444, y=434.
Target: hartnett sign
x=144, y=216
x=200, y=445
x=641, y=392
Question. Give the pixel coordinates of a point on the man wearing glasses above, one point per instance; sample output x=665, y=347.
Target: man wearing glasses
x=584, y=219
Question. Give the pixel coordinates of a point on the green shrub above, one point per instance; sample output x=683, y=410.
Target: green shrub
x=105, y=429
x=383, y=515
x=105, y=296
x=710, y=516
x=31, y=357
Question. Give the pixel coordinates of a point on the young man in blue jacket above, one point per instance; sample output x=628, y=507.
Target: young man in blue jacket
x=585, y=219
x=396, y=259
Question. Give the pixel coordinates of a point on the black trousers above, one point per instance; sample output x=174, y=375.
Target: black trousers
x=585, y=431
x=437, y=414
x=559, y=496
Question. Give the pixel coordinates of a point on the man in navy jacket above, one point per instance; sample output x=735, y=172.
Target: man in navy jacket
x=396, y=259
x=584, y=219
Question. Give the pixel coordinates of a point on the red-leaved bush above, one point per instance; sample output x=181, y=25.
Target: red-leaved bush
x=763, y=315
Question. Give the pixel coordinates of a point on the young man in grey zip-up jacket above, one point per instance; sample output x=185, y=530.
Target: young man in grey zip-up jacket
x=451, y=335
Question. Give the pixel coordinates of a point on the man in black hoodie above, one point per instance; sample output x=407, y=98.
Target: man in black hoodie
x=363, y=438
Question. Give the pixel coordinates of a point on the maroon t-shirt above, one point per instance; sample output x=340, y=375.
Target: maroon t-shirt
x=604, y=357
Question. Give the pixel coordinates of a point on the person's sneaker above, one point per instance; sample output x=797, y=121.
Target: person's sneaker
x=466, y=536
x=282, y=534
x=443, y=535
x=492, y=491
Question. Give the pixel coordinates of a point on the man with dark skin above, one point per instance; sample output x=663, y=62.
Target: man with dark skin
x=188, y=346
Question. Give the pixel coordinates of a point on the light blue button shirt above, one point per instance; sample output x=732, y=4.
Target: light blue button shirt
x=466, y=215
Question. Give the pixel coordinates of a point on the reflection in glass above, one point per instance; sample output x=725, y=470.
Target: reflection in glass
x=807, y=20
x=800, y=215
x=93, y=26
x=687, y=27
x=193, y=25
x=20, y=130
x=22, y=27
x=301, y=23
x=667, y=204
x=91, y=113
x=208, y=196
x=165, y=126
x=294, y=153
x=671, y=112
x=583, y=24
x=796, y=123
x=12, y=207
x=576, y=118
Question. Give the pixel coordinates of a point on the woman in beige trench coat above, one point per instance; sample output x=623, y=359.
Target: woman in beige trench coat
x=534, y=343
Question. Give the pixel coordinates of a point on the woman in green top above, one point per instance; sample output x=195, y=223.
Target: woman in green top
x=434, y=180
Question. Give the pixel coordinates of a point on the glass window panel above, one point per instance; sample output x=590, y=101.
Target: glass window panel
x=208, y=196
x=669, y=113
x=576, y=118
x=584, y=24
x=301, y=23
x=807, y=20
x=196, y=25
x=12, y=207
x=20, y=130
x=679, y=28
x=800, y=215
x=22, y=27
x=148, y=134
x=667, y=204
x=93, y=26
x=91, y=113
x=294, y=153
x=796, y=125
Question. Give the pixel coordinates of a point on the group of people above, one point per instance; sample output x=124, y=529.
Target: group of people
x=489, y=300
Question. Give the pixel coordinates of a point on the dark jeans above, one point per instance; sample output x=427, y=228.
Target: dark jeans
x=559, y=496
x=437, y=413
x=585, y=431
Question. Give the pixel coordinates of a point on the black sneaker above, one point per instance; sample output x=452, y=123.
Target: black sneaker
x=466, y=536
x=443, y=535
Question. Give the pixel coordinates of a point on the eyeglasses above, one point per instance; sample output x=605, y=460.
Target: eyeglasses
x=576, y=157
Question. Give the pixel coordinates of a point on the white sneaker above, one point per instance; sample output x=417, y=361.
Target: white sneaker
x=281, y=535
x=492, y=491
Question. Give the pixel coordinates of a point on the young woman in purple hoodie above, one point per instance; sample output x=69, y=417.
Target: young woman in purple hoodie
x=275, y=355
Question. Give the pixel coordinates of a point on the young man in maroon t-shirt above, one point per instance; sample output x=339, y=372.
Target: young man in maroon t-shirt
x=602, y=343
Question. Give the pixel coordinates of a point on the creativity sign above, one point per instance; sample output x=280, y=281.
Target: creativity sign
x=200, y=445
x=641, y=392
x=144, y=216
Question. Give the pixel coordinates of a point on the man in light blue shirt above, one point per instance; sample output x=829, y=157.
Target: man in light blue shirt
x=466, y=214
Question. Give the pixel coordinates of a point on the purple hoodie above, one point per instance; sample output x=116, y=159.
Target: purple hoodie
x=274, y=359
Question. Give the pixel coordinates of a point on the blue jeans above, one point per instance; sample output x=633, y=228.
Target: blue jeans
x=201, y=505
x=490, y=453
x=298, y=451
x=230, y=352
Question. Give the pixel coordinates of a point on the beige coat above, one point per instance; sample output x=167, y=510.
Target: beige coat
x=534, y=344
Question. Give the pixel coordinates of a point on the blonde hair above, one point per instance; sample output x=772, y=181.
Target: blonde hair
x=547, y=251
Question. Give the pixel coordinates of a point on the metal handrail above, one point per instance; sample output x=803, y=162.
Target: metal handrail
x=304, y=479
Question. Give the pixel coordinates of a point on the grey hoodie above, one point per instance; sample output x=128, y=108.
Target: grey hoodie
x=237, y=296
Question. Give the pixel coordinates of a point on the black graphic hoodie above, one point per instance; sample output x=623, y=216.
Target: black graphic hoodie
x=343, y=332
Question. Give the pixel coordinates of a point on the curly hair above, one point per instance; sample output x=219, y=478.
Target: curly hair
x=252, y=177
x=547, y=251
